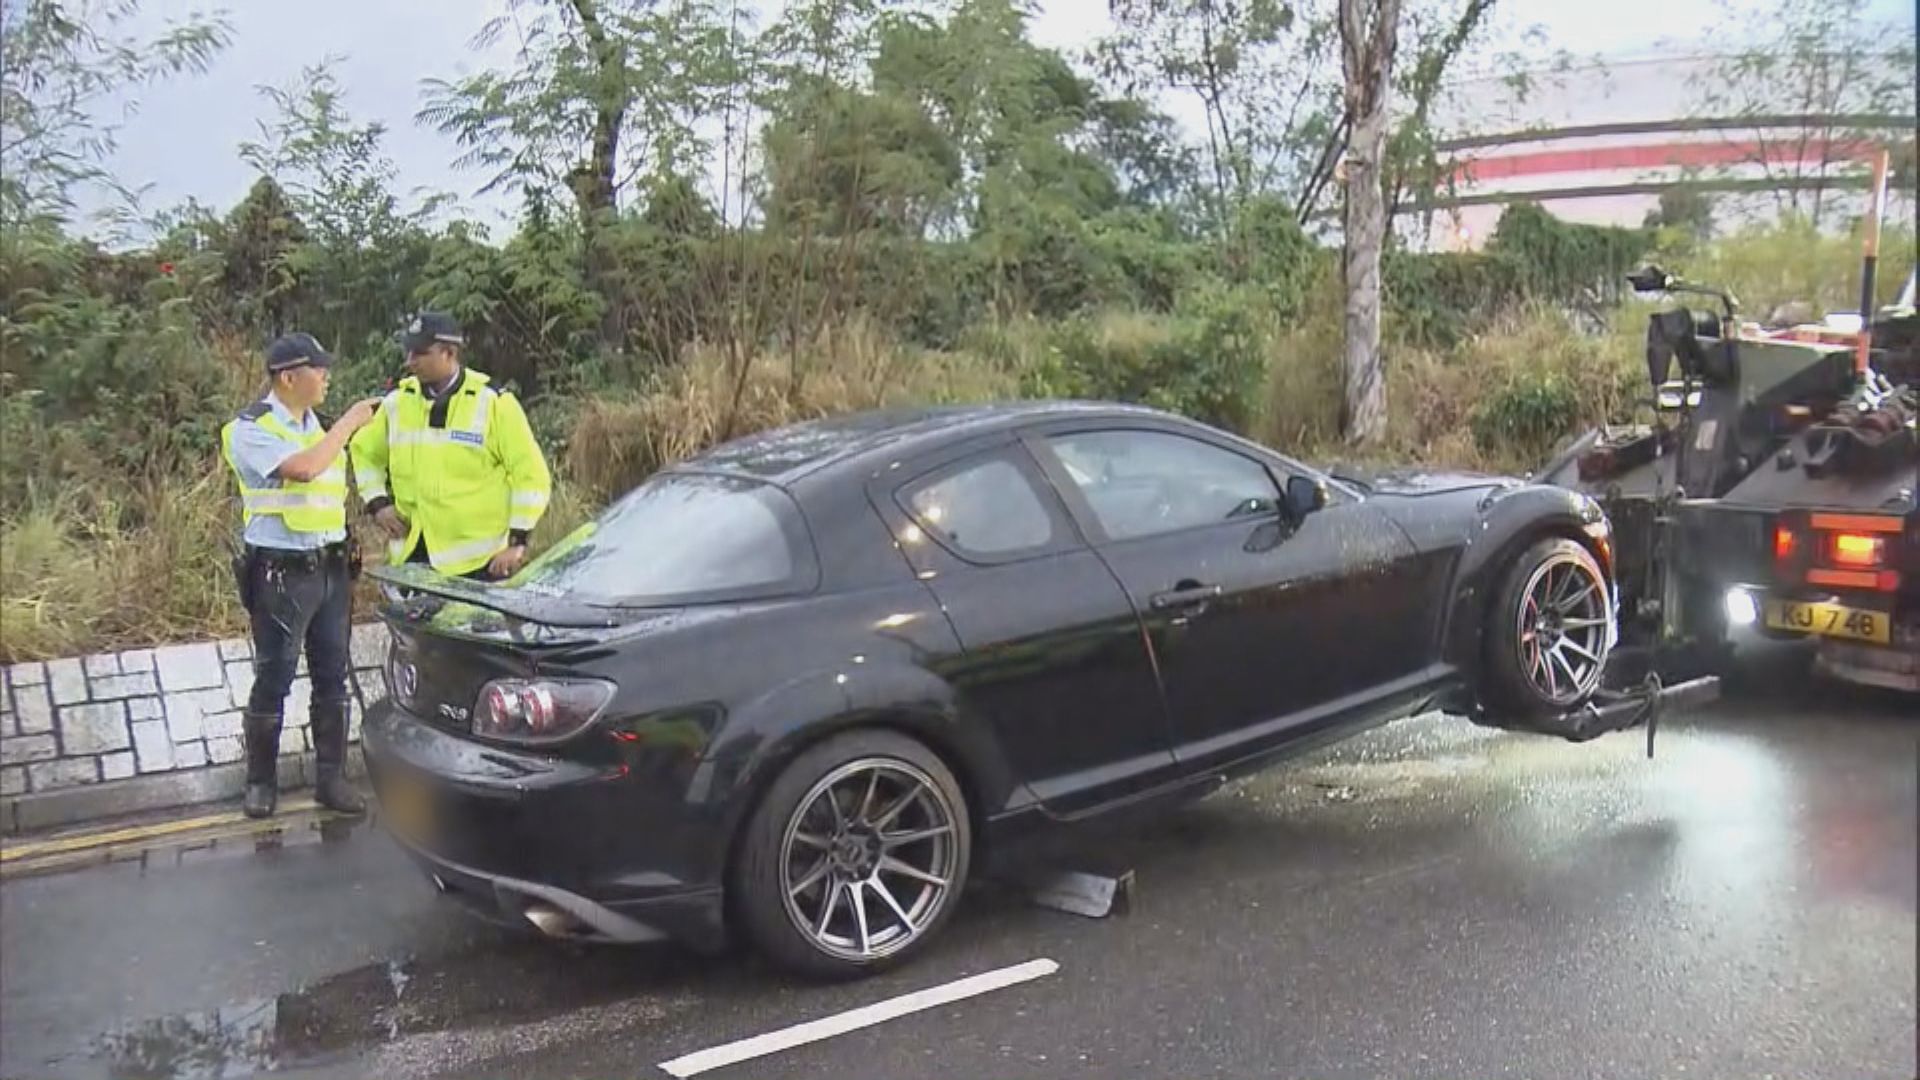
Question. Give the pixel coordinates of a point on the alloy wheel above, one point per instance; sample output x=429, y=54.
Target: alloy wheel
x=1562, y=626
x=868, y=860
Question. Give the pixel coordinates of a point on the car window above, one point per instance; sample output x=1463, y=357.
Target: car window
x=1139, y=483
x=986, y=507
x=681, y=537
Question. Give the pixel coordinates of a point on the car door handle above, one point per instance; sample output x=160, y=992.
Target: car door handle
x=1186, y=595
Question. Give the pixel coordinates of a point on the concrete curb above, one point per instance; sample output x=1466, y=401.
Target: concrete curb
x=105, y=735
x=141, y=794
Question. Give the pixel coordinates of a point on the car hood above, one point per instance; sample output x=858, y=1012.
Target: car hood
x=1414, y=481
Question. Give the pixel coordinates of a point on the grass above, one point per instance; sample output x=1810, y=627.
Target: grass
x=712, y=395
x=95, y=571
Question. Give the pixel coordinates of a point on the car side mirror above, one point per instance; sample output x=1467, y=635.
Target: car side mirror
x=1304, y=496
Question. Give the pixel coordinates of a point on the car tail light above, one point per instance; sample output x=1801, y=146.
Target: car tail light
x=538, y=710
x=1857, y=551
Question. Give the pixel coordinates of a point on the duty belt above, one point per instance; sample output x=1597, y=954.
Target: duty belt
x=310, y=560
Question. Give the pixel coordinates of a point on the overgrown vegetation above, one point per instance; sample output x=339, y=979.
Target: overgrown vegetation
x=922, y=207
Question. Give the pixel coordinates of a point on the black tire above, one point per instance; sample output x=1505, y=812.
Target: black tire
x=1510, y=684
x=770, y=849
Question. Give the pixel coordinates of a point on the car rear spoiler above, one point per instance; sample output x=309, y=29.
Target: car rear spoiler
x=402, y=585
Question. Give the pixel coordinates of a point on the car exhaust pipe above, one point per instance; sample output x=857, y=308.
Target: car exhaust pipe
x=551, y=921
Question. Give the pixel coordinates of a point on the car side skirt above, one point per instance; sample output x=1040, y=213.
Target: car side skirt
x=1214, y=761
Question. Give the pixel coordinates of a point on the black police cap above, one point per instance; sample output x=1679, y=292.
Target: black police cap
x=289, y=351
x=431, y=327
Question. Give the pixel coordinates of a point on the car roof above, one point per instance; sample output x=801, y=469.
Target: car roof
x=857, y=441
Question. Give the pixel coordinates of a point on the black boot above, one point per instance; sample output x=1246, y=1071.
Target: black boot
x=262, y=732
x=330, y=786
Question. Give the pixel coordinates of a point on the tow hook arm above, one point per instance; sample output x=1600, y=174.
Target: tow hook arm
x=1614, y=710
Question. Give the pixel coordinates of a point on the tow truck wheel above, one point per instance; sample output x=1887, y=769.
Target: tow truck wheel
x=1548, y=636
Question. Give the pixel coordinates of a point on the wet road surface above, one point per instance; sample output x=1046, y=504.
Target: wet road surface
x=1428, y=900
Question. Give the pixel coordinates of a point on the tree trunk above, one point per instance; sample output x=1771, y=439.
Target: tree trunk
x=1369, y=31
x=595, y=181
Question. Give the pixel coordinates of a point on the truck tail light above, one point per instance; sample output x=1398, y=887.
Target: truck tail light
x=1786, y=543
x=1857, y=551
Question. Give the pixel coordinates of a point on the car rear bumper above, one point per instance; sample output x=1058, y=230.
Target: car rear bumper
x=535, y=840
x=693, y=918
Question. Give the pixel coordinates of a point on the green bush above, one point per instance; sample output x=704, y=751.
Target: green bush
x=1526, y=417
x=1438, y=300
x=1790, y=262
x=1207, y=361
x=100, y=390
x=1566, y=263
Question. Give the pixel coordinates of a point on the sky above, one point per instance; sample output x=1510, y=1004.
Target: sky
x=183, y=137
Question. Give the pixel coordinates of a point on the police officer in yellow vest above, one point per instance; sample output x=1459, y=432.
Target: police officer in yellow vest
x=294, y=572
x=452, y=472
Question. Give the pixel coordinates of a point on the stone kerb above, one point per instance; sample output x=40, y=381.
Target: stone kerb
x=95, y=736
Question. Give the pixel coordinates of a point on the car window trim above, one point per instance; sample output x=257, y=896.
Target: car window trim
x=1037, y=440
x=1067, y=534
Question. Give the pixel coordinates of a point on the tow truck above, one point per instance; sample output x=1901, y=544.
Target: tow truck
x=1775, y=490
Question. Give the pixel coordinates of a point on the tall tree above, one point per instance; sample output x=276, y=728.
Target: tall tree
x=1263, y=71
x=1369, y=33
x=358, y=235
x=1412, y=168
x=604, y=94
x=59, y=61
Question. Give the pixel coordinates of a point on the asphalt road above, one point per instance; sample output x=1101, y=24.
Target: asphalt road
x=1429, y=900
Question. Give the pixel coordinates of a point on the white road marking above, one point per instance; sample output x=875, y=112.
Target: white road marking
x=852, y=1020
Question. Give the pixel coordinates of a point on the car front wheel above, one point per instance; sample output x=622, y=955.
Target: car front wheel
x=856, y=856
x=1550, y=632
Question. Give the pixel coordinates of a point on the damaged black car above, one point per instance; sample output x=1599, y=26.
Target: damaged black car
x=798, y=688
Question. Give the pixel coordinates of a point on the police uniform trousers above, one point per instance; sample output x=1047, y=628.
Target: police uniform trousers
x=298, y=599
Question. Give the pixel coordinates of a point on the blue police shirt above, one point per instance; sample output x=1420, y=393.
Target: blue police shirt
x=259, y=452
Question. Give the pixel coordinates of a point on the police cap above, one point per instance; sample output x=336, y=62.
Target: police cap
x=289, y=351
x=429, y=328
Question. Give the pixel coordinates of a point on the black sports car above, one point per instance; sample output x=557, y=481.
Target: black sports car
x=798, y=686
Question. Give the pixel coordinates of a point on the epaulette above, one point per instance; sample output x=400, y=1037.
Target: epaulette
x=255, y=411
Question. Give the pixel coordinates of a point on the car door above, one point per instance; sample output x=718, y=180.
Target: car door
x=1053, y=656
x=1261, y=620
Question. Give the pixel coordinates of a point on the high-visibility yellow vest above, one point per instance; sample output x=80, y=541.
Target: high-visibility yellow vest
x=315, y=506
x=462, y=487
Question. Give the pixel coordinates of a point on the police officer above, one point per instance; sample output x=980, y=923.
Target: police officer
x=452, y=472
x=294, y=572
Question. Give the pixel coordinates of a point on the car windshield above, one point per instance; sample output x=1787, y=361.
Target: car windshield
x=681, y=538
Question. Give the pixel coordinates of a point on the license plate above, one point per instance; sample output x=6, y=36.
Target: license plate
x=1830, y=620
x=407, y=808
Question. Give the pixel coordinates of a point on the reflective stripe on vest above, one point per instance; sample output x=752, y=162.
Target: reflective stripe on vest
x=312, y=506
x=445, y=481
